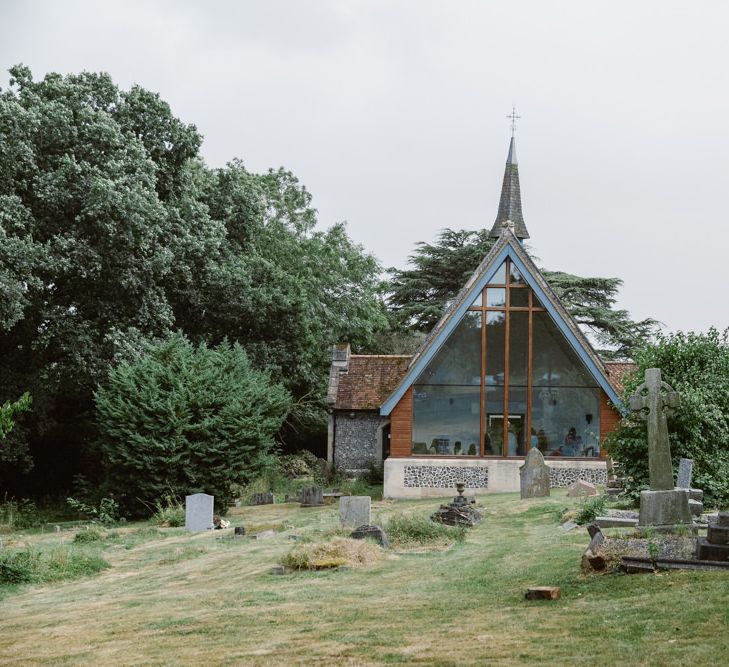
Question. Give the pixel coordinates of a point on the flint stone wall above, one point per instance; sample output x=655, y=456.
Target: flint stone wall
x=356, y=444
x=446, y=477
x=561, y=477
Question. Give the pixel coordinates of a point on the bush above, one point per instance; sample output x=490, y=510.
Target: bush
x=19, y=514
x=590, y=510
x=169, y=513
x=87, y=536
x=407, y=529
x=106, y=513
x=182, y=419
x=697, y=366
x=34, y=566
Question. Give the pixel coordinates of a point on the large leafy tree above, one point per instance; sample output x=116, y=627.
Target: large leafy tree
x=113, y=232
x=418, y=295
x=182, y=419
x=697, y=366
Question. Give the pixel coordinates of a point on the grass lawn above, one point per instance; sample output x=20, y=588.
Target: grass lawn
x=173, y=598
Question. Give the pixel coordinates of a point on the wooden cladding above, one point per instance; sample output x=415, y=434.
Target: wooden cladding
x=401, y=426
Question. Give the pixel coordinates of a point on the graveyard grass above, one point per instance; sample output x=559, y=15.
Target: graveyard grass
x=175, y=598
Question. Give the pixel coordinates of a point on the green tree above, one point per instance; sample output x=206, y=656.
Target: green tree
x=182, y=419
x=418, y=295
x=697, y=366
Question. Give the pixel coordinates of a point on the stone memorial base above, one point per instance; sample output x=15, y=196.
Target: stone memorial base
x=665, y=511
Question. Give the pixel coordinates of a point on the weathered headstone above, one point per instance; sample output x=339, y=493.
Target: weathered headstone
x=262, y=499
x=581, y=488
x=372, y=532
x=199, y=512
x=534, y=475
x=312, y=496
x=715, y=546
x=685, y=469
x=663, y=507
x=354, y=510
x=239, y=531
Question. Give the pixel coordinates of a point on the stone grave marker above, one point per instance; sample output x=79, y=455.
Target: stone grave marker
x=355, y=510
x=581, y=488
x=663, y=507
x=534, y=475
x=312, y=496
x=371, y=532
x=685, y=469
x=262, y=499
x=199, y=512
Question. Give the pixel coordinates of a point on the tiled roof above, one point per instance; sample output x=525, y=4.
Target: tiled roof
x=369, y=380
x=617, y=370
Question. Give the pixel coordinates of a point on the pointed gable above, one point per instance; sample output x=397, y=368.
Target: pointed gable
x=508, y=245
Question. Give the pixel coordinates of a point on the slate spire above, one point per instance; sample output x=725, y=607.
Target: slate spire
x=510, y=203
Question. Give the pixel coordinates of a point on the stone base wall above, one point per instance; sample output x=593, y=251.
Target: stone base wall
x=433, y=478
x=356, y=440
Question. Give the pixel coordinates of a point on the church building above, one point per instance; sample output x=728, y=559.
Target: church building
x=505, y=369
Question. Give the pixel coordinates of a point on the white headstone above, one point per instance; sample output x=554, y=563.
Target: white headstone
x=355, y=510
x=199, y=512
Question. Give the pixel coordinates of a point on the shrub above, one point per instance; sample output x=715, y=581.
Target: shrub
x=106, y=513
x=169, y=513
x=407, y=529
x=323, y=555
x=19, y=514
x=34, y=566
x=87, y=536
x=697, y=366
x=182, y=419
x=590, y=510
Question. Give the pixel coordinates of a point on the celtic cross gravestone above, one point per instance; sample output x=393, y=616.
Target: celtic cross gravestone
x=663, y=507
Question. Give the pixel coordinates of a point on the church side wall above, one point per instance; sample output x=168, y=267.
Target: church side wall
x=609, y=419
x=401, y=426
x=355, y=440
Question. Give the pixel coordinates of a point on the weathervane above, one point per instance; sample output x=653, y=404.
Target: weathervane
x=514, y=118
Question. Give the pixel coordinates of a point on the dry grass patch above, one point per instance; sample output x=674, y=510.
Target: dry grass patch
x=340, y=551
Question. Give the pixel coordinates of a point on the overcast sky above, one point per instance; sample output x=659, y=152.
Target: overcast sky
x=393, y=114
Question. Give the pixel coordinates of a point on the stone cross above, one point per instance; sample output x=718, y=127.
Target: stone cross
x=652, y=401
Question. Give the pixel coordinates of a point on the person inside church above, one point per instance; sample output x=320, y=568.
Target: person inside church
x=572, y=443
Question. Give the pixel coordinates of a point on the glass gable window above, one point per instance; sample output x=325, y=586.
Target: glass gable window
x=504, y=381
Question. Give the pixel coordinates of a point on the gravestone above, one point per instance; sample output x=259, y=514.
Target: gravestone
x=581, y=488
x=354, y=510
x=663, y=507
x=199, y=512
x=685, y=469
x=372, y=532
x=312, y=496
x=262, y=499
x=534, y=475
x=715, y=546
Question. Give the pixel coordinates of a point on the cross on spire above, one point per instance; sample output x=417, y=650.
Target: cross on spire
x=513, y=118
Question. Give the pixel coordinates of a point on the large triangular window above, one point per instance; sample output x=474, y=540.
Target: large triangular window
x=505, y=380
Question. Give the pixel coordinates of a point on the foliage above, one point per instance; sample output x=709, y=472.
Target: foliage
x=106, y=512
x=8, y=410
x=169, y=512
x=408, y=529
x=19, y=514
x=36, y=566
x=697, y=366
x=113, y=233
x=324, y=555
x=419, y=295
x=591, y=509
x=88, y=536
x=182, y=419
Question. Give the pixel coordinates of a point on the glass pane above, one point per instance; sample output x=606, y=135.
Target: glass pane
x=536, y=303
x=494, y=422
x=515, y=436
x=566, y=421
x=519, y=297
x=518, y=349
x=515, y=276
x=477, y=300
x=500, y=276
x=495, y=337
x=446, y=420
x=496, y=297
x=554, y=362
x=459, y=360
